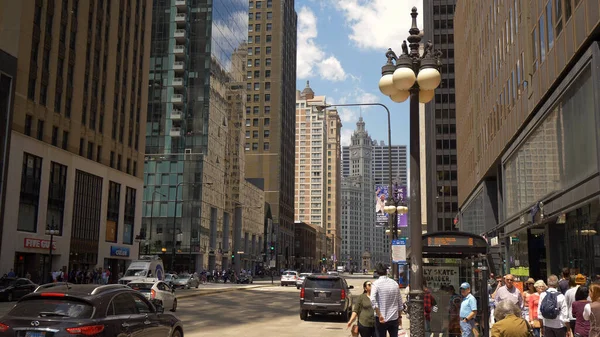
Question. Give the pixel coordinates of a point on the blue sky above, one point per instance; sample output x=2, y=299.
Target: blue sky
x=341, y=48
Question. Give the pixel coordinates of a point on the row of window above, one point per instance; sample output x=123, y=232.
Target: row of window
x=256, y=110
x=266, y=146
x=257, y=62
x=267, y=86
x=258, y=27
x=258, y=16
x=266, y=134
x=256, y=98
x=259, y=4
x=256, y=51
x=257, y=39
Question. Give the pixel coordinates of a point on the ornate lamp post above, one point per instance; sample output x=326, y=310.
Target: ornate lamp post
x=51, y=229
x=415, y=76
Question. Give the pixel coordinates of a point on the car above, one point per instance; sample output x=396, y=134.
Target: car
x=245, y=279
x=333, y=272
x=14, y=288
x=301, y=278
x=157, y=290
x=289, y=277
x=324, y=294
x=186, y=281
x=170, y=279
x=88, y=310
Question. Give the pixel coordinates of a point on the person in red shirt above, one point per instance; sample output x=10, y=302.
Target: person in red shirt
x=428, y=304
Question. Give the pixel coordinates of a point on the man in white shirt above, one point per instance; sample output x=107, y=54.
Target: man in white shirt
x=559, y=326
x=387, y=303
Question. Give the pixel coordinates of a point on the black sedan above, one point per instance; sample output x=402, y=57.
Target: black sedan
x=88, y=310
x=14, y=288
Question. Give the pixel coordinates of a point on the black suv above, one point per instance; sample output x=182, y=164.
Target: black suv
x=64, y=309
x=324, y=294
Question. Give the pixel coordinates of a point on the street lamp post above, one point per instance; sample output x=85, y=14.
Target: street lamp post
x=415, y=76
x=51, y=229
x=393, y=226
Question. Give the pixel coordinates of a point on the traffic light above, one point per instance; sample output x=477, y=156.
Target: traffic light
x=233, y=256
x=272, y=247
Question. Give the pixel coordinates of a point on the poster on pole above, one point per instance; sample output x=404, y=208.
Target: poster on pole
x=381, y=194
x=437, y=276
x=399, y=251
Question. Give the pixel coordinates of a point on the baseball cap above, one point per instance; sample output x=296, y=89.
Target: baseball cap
x=580, y=279
x=465, y=285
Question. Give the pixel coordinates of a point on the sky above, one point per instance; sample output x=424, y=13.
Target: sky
x=341, y=49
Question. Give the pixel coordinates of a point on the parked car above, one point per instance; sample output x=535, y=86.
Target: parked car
x=289, y=277
x=186, y=281
x=300, y=280
x=14, y=288
x=170, y=279
x=325, y=294
x=88, y=310
x=333, y=272
x=245, y=279
x=157, y=290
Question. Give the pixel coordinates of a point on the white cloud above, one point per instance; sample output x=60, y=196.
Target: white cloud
x=379, y=24
x=311, y=59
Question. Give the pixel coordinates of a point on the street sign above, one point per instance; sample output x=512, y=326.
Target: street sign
x=399, y=250
x=272, y=264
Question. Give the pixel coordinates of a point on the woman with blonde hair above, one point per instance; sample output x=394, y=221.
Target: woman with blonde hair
x=591, y=312
x=533, y=301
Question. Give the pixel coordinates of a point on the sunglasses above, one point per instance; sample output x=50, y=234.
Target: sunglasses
x=368, y=284
x=510, y=280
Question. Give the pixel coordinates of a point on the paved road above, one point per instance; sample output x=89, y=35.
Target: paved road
x=256, y=310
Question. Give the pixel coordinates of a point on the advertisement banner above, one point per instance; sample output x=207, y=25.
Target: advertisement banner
x=381, y=194
x=111, y=231
x=436, y=276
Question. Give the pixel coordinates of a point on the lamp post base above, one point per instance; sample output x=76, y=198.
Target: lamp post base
x=417, y=314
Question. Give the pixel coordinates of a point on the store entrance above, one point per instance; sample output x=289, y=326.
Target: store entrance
x=30, y=264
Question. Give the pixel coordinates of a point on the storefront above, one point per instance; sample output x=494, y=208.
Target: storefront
x=551, y=185
x=118, y=262
x=33, y=259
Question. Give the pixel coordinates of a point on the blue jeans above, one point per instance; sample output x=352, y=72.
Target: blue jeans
x=466, y=328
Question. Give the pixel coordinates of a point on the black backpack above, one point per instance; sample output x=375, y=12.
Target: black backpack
x=549, y=306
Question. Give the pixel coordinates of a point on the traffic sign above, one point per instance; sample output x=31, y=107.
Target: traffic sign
x=399, y=250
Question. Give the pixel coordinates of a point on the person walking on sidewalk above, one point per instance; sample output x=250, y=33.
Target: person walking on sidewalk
x=387, y=304
x=364, y=312
x=468, y=310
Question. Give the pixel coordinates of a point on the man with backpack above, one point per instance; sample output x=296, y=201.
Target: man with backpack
x=553, y=310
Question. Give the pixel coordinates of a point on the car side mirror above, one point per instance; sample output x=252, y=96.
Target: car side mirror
x=350, y=287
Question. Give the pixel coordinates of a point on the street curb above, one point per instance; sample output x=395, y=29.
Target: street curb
x=223, y=290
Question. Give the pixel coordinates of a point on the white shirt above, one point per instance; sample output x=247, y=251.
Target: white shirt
x=563, y=316
x=587, y=312
x=570, y=298
x=385, y=295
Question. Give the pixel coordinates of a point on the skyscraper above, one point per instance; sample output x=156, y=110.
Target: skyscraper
x=380, y=163
x=333, y=213
x=270, y=110
x=440, y=124
x=191, y=68
x=77, y=133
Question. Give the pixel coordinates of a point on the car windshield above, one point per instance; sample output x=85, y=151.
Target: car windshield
x=333, y=283
x=135, y=272
x=170, y=277
x=6, y=282
x=289, y=273
x=141, y=287
x=52, y=307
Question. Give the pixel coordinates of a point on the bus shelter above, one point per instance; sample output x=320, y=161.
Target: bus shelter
x=450, y=259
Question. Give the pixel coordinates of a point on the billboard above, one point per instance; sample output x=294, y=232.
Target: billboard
x=381, y=194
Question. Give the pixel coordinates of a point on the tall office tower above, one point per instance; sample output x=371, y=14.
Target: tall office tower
x=333, y=213
x=359, y=233
x=311, y=156
x=529, y=127
x=191, y=69
x=77, y=133
x=270, y=109
x=440, y=125
x=380, y=163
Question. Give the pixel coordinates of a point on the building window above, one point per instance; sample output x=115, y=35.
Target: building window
x=549, y=24
x=65, y=140
x=266, y=146
x=268, y=62
x=269, y=38
x=267, y=74
x=247, y=147
x=28, y=124
x=267, y=97
x=29, y=199
x=57, y=195
x=112, y=159
x=256, y=110
x=55, y=136
x=254, y=146
x=90, y=150
x=254, y=134
x=269, y=15
x=267, y=110
x=247, y=121
x=87, y=206
x=250, y=41
x=558, y=14
x=542, y=27
x=269, y=27
x=247, y=134
x=40, y=130
x=269, y=3
x=266, y=134
x=119, y=162
x=255, y=122
x=267, y=121
x=112, y=215
x=268, y=50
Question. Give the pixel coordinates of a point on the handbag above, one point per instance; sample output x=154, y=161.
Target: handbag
x=530, y=329
x=354, y=330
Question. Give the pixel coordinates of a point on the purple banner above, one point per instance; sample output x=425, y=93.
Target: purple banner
x=381, y=193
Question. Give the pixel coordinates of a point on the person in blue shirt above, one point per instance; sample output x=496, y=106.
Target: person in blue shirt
x=468, y=310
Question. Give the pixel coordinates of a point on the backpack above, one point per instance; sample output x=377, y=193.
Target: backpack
x=549, y=306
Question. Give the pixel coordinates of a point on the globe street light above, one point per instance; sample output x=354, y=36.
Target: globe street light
x=416, y=76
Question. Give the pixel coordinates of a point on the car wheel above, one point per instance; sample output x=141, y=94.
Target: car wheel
x=174, y=305
x=297, y=287
x=9, y=297
x=303, y=314
x=176, y=333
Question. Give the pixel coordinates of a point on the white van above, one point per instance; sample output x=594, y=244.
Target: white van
x=147, y=266
x=340, y=269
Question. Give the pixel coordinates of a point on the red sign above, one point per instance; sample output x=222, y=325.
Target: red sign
x=38, y=243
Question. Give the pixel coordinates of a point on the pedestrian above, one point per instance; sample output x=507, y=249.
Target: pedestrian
x=591, y=312
x=468, y=310
x=428, y=304
x=509, y=292
x=363, y=310
x=533, y=302
x=563, y=284
x=387, y=303
x=581, y=326
x=454, y=312
x=553, y=310
x=509, y=321
x=575, y=281
x=527, y=293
